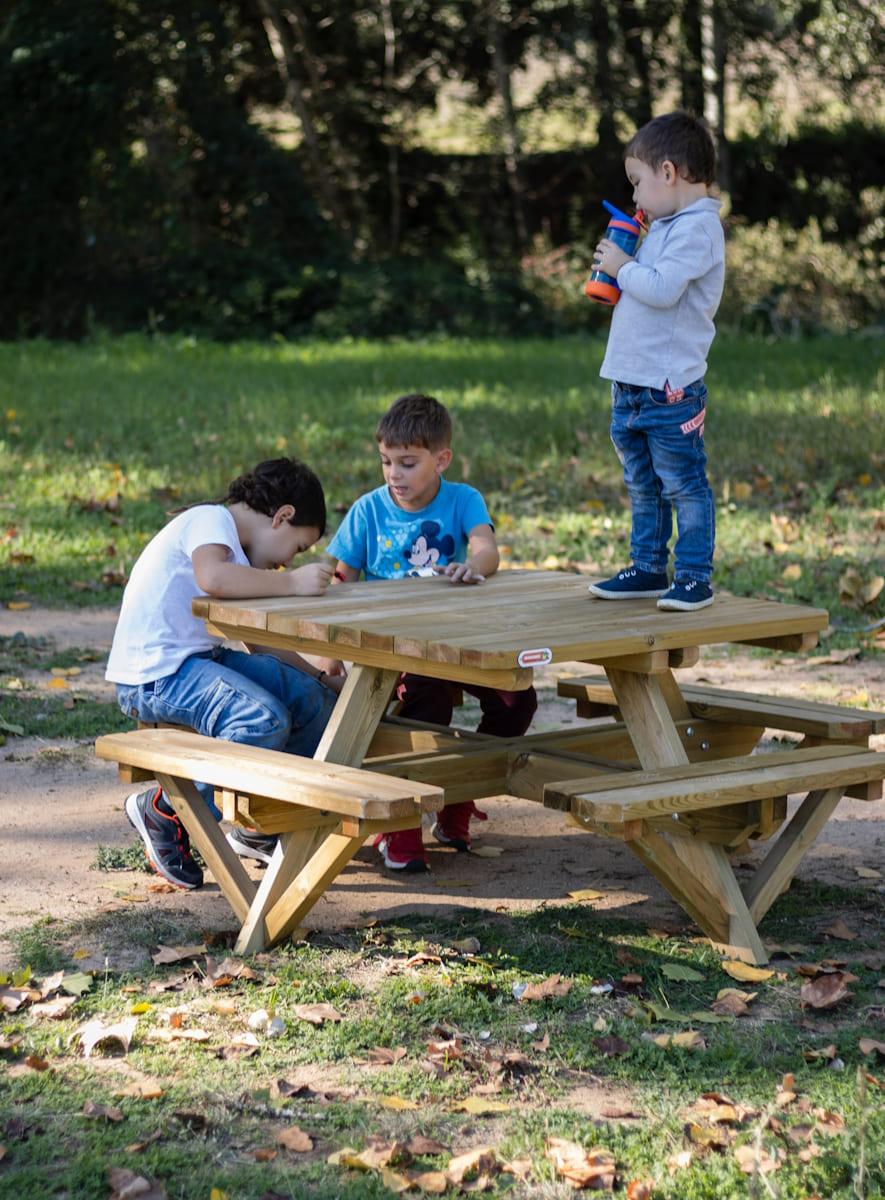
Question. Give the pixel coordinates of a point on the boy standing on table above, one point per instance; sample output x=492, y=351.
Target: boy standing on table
x=661, y=331
x=418, y=524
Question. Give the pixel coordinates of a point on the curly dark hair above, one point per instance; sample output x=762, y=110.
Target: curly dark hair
x=270, y=485
x=279, y=481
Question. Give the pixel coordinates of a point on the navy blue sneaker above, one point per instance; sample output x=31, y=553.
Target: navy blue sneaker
x=686, y=595
x=631, y=584
x=165, y=838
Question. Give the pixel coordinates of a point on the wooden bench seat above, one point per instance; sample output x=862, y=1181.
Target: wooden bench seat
x=268, y=774
x=669, y=791
x=827, y=722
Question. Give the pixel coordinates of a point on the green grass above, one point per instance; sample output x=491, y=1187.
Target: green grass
x=794, y=438
x=384, y=1003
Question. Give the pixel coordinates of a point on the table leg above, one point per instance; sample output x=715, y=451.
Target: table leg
x=697, y=874
x=206, y=835
x=314, y=858
x=779, y=865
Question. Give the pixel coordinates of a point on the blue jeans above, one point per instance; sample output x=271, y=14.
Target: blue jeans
x=254, y=699
x=660, y=442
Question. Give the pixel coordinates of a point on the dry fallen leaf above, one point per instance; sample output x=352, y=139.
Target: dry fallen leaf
x=479, y=1161
x=744, y=972
x=295, y=1139
x=479, y=1107
x=754, y=1160
x=316, y=1014
x=840, y=930
x=384, y=1056
x=825, y=991
x=101, y=1112
x=173, y=954
x=579, y=1167
x=142, y=1087
x=129, y=1186
x=871, y=1046
x=586, y=894
x=96, y=1033
x=553, y=985
x=640, y=1189
x=397, y=1103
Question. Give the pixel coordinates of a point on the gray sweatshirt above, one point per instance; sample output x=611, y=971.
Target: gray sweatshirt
x=662, y=326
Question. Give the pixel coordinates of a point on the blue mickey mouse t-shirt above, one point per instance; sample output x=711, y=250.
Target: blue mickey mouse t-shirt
x=385, y=541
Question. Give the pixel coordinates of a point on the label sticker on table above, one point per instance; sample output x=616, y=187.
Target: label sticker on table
x=535, y=658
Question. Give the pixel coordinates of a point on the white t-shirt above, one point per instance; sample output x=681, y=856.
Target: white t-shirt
x=157, y=631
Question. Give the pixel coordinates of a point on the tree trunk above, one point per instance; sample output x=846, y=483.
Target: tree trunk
x=345, y=169
x=510, y=131
x=692, y=67
x=633, y=24
x=604, y=84
x=393, y=180
x=720, y=61
x=280, y=45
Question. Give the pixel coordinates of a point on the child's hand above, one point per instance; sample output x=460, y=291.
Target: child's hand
x=311, y=580
x=460, y=573
x=334, y=683
x=609, y=258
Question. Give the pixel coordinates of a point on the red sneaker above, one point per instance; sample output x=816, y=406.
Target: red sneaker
x=403, y=851
x=452, y=827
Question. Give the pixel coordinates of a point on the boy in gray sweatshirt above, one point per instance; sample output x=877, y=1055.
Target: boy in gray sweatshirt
x=661, y=331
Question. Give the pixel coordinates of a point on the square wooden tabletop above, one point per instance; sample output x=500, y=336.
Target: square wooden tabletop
x=515, y=620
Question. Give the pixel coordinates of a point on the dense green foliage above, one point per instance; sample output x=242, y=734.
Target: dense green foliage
x=247, y=167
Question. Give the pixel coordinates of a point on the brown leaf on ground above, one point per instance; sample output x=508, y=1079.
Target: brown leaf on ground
x=579, y=1167
x=871, y=1046
x=316, y=1014
x=708, y=1137
x=520, y=1167
x=418, y=960
x=419, y=1145
x=543, y=1045
x=378, y=1153
x=96, y=1033
x=56, y=1009
x=385, y=1056
x=825, y=991
x=472, y=1163
x=432, y=1182
x=479, y=1107
x=825, y=1052
x=611, y=1046
x=142, y=1087
x=100, y=1112
x=744, y=972
x=137, y=1147
x=840, y=930
x=755, y=1160
x=126, y=1185
x=244, y=1045
x=264, y=1154
x=174, y=954
x=295, y=1139
x=553, y=985
x=640, y=1189
x=829, y=1122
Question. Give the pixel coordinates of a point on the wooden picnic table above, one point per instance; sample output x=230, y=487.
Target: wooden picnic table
x=679, y=790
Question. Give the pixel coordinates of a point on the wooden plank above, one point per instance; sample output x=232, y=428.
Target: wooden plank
x=271, y=773
x=727, y=781
x=828, y=721
x=512, y=679
x=709, y=865
x=206, y=835
x=648, y=719
x=298, y=898
x=486, y=627
x=651, y=662
x=782, y=861
x=797, y=643
x=658, y=856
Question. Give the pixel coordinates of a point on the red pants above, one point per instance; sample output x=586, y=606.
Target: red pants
x=504, y=714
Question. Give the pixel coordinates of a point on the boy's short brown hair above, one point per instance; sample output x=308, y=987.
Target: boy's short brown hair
x=416, y=420
x=680, y=138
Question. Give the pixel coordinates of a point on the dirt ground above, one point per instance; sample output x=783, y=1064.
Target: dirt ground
x=58, y=803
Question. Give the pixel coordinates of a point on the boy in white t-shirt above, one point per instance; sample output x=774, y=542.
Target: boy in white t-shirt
x=169, y=669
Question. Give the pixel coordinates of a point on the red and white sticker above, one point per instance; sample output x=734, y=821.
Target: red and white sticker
x=535, y=658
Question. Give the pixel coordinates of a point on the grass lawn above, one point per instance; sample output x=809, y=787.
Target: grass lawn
x=467, y=1063
x=98, y=440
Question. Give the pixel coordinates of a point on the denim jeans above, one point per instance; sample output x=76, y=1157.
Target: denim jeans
x=660, y=442
x=254, y=699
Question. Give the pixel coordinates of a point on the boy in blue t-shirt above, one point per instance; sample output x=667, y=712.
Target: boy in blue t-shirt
x=419, y=524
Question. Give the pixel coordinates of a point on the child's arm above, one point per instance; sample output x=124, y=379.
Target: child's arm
x=482, y=558
x=345, y=574
x=216, y=575
x=688, y=254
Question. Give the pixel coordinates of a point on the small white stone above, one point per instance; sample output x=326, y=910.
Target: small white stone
x=258, y=1019
x=276, y=1026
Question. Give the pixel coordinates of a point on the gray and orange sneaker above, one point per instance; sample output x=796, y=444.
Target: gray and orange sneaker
x=166, y=842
